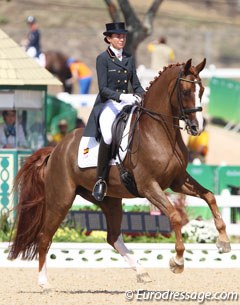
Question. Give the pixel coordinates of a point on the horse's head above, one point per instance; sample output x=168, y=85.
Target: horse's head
x=189, y=94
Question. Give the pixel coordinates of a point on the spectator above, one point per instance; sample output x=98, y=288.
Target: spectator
x=9, y=137
x=33, y=46
x=198, y=145
x=32, y=43
x=81, y=74
x=161, y=54
x=63, y=130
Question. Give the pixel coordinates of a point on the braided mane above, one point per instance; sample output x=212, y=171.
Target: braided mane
x=162, y=72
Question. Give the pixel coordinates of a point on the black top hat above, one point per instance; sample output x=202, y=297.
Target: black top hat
x=115, y=28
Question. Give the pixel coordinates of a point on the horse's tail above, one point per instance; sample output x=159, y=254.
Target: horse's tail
x=29, y=183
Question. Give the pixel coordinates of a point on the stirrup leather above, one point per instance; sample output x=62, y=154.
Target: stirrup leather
x=100, y=189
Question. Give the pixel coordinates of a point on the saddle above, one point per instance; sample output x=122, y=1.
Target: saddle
x=117, y=135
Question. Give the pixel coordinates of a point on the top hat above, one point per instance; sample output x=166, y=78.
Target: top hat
x=115, y=28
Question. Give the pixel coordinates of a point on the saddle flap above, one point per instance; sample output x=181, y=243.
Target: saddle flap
x=118, y=128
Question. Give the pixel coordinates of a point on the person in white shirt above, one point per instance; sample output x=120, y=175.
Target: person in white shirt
x=11, y=134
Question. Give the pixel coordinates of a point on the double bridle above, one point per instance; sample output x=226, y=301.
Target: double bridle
x=183, y=111
x=163, y=117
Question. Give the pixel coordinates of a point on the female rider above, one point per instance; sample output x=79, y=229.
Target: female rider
x=115, y=71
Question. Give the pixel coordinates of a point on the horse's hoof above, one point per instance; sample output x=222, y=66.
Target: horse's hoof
x=46, y=288
x=223, y=246
x=143, y=278
x=176, y=267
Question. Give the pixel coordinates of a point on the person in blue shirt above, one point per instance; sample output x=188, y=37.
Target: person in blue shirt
x=33, y=46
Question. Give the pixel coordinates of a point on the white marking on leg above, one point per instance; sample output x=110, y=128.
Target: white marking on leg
x=42, y=276
x=128, y=257
x=199, y=114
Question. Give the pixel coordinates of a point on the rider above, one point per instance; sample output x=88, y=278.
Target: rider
x=33, y=46
x=115, y=71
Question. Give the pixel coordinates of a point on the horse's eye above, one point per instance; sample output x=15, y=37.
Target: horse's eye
x=186, y=92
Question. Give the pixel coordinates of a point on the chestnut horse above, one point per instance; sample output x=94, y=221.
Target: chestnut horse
x=50, y=179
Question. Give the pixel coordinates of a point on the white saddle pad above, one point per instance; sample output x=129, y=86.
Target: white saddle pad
x=88, y=148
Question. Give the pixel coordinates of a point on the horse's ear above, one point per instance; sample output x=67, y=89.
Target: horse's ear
x=200, y=66
x=187, y=66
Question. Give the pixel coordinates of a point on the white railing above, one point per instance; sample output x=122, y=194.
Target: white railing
x=101, y=255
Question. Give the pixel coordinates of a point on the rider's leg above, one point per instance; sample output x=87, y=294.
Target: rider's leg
x=104, y=155
x=106, y=120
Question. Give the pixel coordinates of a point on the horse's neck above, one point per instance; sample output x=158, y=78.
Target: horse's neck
x=161, y=92
x=160, y=98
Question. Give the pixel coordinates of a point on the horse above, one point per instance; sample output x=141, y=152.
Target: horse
x=56, y=63
x=157, y=159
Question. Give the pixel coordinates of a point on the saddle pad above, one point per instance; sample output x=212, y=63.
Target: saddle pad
x=88, y=148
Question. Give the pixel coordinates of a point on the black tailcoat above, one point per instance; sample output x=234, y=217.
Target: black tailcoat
x=114, y=77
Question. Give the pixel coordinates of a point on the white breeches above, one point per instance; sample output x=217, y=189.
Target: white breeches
x=41, y=59
x=107, y=117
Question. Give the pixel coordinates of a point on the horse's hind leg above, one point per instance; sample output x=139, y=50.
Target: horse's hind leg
x=112, y=208
x=57, y=205
x=193, y=188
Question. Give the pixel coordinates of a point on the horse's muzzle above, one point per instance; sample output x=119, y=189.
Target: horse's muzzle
x=192, y=128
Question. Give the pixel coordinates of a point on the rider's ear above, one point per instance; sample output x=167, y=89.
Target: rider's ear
x=187, y=66
x=200, y=66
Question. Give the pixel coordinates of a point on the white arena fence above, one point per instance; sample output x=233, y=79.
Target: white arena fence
x=151, y=255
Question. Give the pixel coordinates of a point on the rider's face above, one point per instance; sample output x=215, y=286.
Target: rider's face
x=118, y=41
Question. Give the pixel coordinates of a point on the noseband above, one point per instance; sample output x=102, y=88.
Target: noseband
x=185, y=111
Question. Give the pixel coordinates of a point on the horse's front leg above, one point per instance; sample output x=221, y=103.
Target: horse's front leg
x=112, y=208
x=193, y=188
x=156, y=196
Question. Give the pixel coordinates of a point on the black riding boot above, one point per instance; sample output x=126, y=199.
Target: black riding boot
x=104, y=155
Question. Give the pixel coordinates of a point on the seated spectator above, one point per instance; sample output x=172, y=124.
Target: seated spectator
x=9, y=137
x=63, y=130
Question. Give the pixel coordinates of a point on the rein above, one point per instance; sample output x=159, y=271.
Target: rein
x=159, y=116
x=184, y=111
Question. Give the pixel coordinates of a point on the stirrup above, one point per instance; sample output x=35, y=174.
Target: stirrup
x=100, y=190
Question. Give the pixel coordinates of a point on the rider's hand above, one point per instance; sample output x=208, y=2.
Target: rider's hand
x=128, y=98
x=138, y=98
